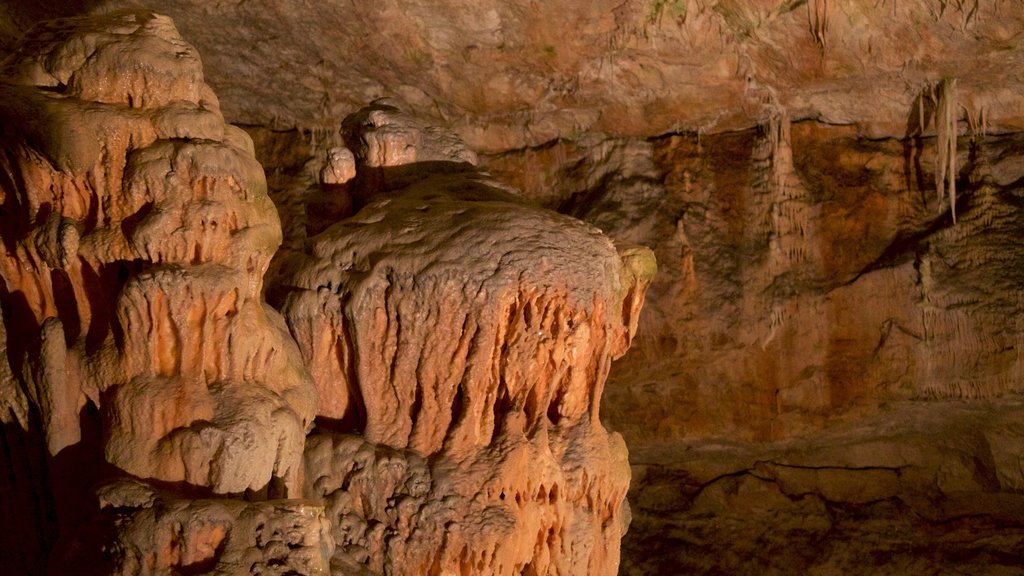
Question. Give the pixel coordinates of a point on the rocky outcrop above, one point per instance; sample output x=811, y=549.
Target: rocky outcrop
x=136, y=231
x=830, y=349
x=808, y=279
x=143, y=530
x=806, y=275
x=467, y=334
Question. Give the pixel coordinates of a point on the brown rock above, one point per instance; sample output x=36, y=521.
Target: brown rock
x=916, y=489
x=391, y=310
x=808, y=279
x=826, y=351
x=513, y=74
x=767, y=318
x=466, y=334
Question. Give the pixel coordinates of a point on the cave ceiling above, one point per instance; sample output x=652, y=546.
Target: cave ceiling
x=510, y=74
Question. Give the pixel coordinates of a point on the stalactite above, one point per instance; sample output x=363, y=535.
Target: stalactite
x=817, y=22
x=946, y=117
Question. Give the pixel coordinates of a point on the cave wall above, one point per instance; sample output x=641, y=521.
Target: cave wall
x=831, y=347
x=808, y=275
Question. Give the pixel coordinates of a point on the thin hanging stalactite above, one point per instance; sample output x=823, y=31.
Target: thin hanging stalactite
x=817, y=22
x=946, y=133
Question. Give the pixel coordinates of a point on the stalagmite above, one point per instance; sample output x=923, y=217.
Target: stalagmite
x=136, y=232
x=453, y=323
x=450, y=339
x=344, y=336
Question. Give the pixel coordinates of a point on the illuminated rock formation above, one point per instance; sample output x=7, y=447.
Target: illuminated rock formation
x=825, y=379
x=451, y=340
x=143, y=530
x=136, y=231
x=467, y=334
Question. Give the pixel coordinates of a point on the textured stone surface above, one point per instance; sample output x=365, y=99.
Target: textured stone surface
x=450, y=339
x=468, y=335
x=923, y=488
x=516, y=73
x=784, y=160
x=808, y=279
x=803, y=285
x=140, y=530
x=137, y=230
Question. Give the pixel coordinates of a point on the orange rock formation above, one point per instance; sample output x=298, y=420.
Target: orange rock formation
x=451, y=339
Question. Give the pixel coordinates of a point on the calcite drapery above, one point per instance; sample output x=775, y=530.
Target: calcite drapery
x=136, y=232
x=430, y=299
x=450, y=321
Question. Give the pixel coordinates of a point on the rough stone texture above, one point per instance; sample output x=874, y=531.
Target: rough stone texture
x=767, y=317
x=468, y=335
x=808, y=279
x=450, y=339
x=927, y=488
x=510, y=74
x=136, y=231
x=788, y=161
x=164, y=533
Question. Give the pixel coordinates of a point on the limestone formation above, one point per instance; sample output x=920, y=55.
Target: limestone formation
x=517, y=74
x=454, y=324
x=136, y=232
x=808, y=279
x=450, y=339
x=825, y=378
x=165, y=533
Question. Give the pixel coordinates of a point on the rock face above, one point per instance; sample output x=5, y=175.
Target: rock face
x=814, y=297
x=143, y=530
x=450, y=339
x=924, y=488
x=136, y=231
x=768, y=308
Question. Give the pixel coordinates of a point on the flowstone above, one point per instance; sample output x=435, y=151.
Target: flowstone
x=426, y=402
x=467, y=334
